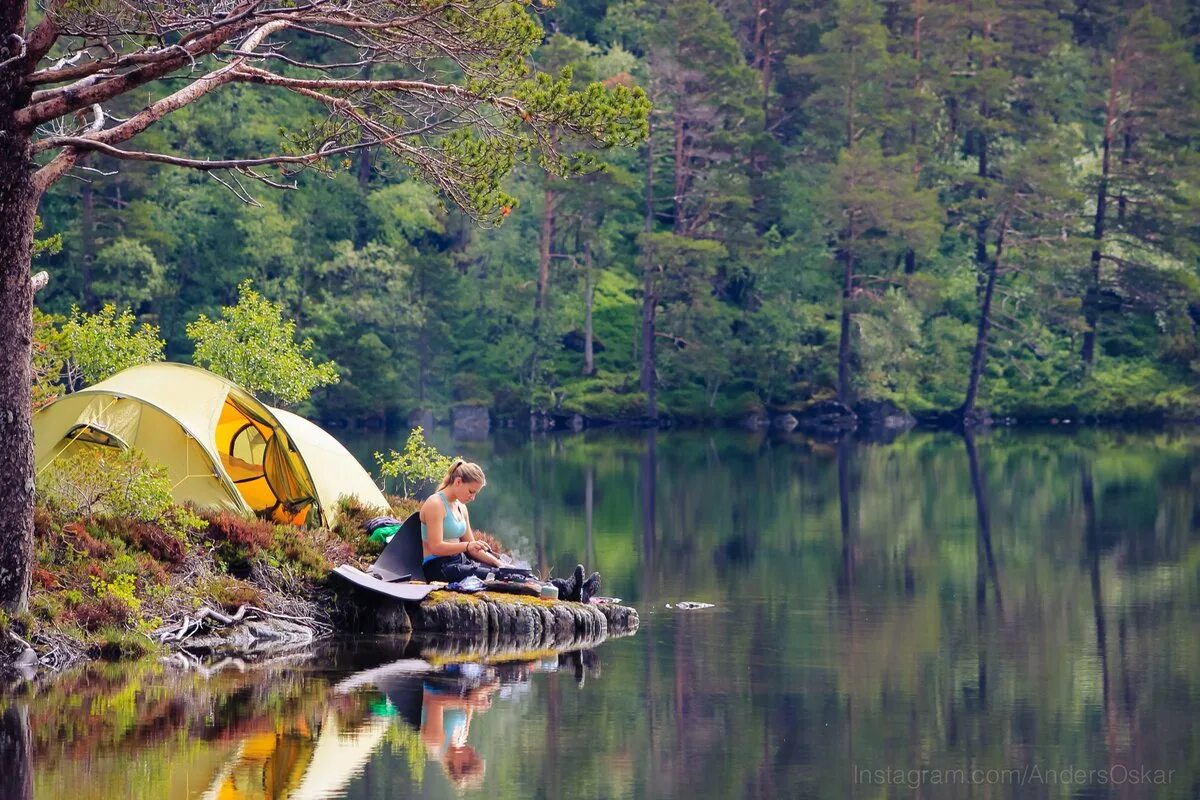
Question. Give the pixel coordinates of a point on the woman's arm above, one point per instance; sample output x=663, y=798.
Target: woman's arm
x=482, y=552
x=433, y=514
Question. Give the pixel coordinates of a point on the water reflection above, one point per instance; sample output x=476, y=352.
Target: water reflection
x=1024, y=601
x=16, y=778
x=324, y=728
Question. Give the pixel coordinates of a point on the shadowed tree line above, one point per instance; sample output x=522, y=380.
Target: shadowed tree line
x=947, y=206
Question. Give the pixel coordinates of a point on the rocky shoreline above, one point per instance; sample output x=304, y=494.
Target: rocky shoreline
x=499, y=620
x=491, y=623
x=869, y=420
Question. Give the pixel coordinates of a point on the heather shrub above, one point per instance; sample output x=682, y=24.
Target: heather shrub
x=238, y=540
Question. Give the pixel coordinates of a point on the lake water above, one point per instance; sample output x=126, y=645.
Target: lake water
x=1017, y=616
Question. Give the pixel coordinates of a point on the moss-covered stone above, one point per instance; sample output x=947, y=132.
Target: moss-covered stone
x=515, y=621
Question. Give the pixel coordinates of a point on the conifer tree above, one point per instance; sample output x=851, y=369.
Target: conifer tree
x=462, y=125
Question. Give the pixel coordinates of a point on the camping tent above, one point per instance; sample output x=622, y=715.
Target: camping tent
x=221, y=447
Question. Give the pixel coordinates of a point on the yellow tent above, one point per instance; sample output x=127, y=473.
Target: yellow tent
x=220, y=446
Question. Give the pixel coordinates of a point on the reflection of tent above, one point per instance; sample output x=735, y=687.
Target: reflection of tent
x=220, y=446
x=289, y=765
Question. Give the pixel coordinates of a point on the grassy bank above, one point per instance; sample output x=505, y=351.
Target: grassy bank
x=103, y=582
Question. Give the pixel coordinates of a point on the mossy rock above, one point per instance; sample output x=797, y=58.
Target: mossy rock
x=514, y=621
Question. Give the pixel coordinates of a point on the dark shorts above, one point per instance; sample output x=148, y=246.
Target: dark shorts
x=454, y=568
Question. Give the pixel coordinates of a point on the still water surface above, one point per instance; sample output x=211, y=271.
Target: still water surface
x=1015, y=616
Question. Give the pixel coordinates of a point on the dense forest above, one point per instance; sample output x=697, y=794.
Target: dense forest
x=950, y=206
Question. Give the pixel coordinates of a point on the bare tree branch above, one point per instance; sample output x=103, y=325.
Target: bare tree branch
x=50, y=173
x=43, y=37
x=204, y=164
x=62, y=104
x=255, y=75
x=69, y=71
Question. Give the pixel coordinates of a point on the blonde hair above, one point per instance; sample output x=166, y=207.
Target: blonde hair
x=468, y=471
x=464, y=767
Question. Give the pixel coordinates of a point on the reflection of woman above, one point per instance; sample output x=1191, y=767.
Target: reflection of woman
x=451, y=551
x=445, y=723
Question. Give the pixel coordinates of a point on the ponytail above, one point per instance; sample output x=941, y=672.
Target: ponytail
x=460, y=468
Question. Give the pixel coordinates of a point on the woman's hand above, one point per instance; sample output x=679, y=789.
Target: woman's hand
x=475, y=548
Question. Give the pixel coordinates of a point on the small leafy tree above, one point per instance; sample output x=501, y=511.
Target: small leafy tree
x=419, y=464
x=97, y=346
x=256, y=348
x=48, y=359
x=121, y=483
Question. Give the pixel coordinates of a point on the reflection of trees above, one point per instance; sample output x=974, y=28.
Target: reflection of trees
x=846, y=576
x=1091, y=545
x=985, y=568
x=16, y=776
x=985, y=559
x=909, y=582
x=647, y=492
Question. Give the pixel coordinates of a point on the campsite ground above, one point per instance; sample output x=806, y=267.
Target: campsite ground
x=116, y=586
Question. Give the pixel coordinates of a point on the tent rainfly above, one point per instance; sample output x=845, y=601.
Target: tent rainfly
x=221, y=447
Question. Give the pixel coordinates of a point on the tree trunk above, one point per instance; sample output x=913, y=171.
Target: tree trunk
x=648, y=366
x=979, y=357
x=762, y=55
x=589, y=298
x=543, y=278
x=423, y=349
x=364, y=155
x=910, y=257
x=981, y=226
x=680, y=175
x=1091, y=300
x=18, y=204
x=844, y=336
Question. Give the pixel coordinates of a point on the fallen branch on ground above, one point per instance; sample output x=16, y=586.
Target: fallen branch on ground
x=191, y=624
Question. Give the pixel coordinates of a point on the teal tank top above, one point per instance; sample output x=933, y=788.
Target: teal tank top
x=452, y=526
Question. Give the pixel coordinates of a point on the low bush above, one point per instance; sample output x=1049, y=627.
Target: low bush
x=603, y=405
x=106, y=611
x=312, y=553
x=231, y=593
x=146, y=535
x=82, y=539
x=238, y=540
x=95, y=479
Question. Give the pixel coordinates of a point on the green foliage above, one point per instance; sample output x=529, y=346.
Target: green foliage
x=889, y=134
x=1120, y=388
x=97, y=346
x=255, y=348
x=91, y=479
x=128, y=273
x=121, y=588
x=48, y=359
x=51, y=245
x=605, y=396
x=420, y=464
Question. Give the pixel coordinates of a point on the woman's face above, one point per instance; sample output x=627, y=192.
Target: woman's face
x=467, y=490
